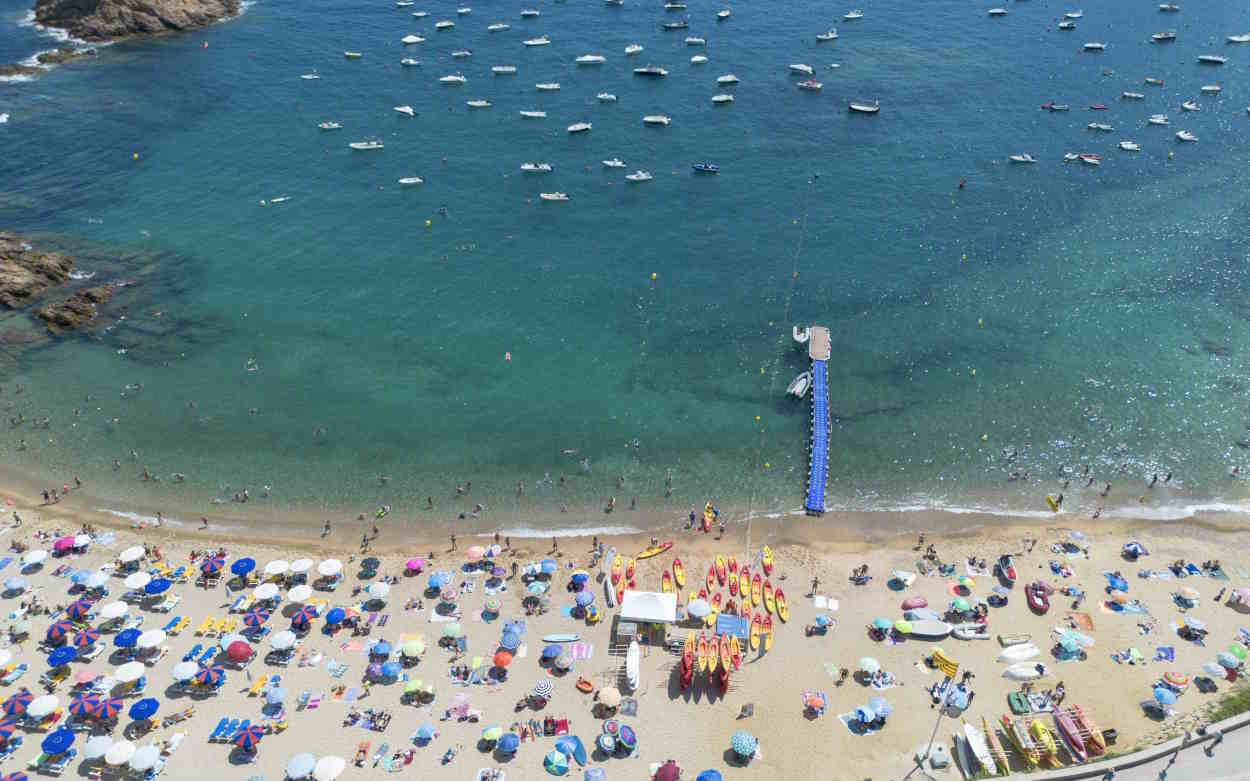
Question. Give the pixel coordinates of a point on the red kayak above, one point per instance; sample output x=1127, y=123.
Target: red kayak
x=687, y=672
x=1039, y=602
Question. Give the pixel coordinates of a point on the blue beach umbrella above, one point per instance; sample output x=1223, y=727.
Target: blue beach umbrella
x=584, y=598
x=548, y=566
x=62, y=656
x=80, y=577
x=822, y=620
x=108, y=708
x=241, y=567
x=1068, y=643
x=1227, y=660
x=381, y=648
x=438, y=579
x=157, y=586
x=144, y=709
x=556, y=763
x=509, y=743
x=77, y=611
x=256, y=617
x=58, y=742
x=425, y=731
x=743, y=743
x=882, y=623
x=865, y=714
x=510, y=640
x=336, y=616
x=580, y=579
x=536, y=587
x=127, y=638
x=594, y=774
x=1164, y=696
x=392, y=669
x=86, y=638
x=552, y=651
x=709, y=775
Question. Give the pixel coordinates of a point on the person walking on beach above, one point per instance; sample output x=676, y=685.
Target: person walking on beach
x=815, y=585
x=325, y=532
x=429, y=502
x=453, y=542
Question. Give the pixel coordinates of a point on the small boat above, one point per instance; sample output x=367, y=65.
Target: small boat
x=534, y=114
x=419, y=14
x=409, y=40
x=678, y=25
x=710, y=168
x=478, y=103
x=810, y=84
x=803, y=68
x=498, y=27
x=1132, y=96
x=1019, y=653
x=632, y=49
x=1089, y=159
x=1169, y=7
x=365, y=146
x=728, y=78
x=536, y=168
x=310, y=76
x=801, y=334
x=1158, y=119
x=455, y=78
x=548, y=86
x=1094, y=46
x=1021, y=158
x=615, y=162
x=408, y=181
x=694, y=40
x=722, y=15
x=864, y=107
x=1211, y=89
x=1067, y=25
x=1006, y=566
x=1072, y=14
x=1100, y=126
x=462, y=53
x=674, y=6
x=970, y=631
x=1245, y=38
x=1098, y=107
x=652, y=71
x=1068, y=157
x=1170, y=35
x=722, y=98
x=1185, y=135
x=1212, y=59
x=656, y=119
x=1095, y=743
x=997, y=12
x=591, y=59
x=698, y=59
x=1039, y=600
x=444, y=25
x=616, y=3
x=529, y=13
x=1189, y=105
x=408, y=62
x=606, y=97
x=352, y=55
x=831, y=35
x=1154, y=82
x=853, y=15
x=405, y=110
x=403, y=3
x=541, y=40
x=1024, y=671
x=503, y=70
x=930, y=629
x=579, y=127
x=556, y=196
x=974, y=738
x=1051, y=106
x=799, y=386
x=329, y=126
x=638, y=176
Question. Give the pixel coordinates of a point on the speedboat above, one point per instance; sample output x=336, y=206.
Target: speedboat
x=461, y=53
x=639, y=176
x=403, y=3
x=694, y=40
x=681, y=24
x=831, y=35
x=1169, y=7
x=352, y=55
x=632, y=49
x=1185, y=135
x=864, y=107
x=408, y=40
x=1212, y=59
x=463, y=11
x=1132, y=96
x=1154, y=82
x=799, y=385
x=411, y=180
x=801, y=68
x=997, y=12
x=674, y=6
x=1211, y=89
x=651, y=70
x=534, y=114
x=541, y=40
x=1067, y=25
x=615, y=162
x=1170, y=35
x=1158, y=119
x=852, y=15
x=617, y=3
x=606, y=97
x=1091, y=159
x=801, y=335
x=698, y=59
x=591, y=59
x=419, y=14
x=579, y=127
x=406, y=110
x=310, y=76
x=1094, y=46
x=1100, y=126
x=444, y=25
x=656, y=119
x=478, y=103
x=1052, y=106
x=1239, y=38
x=408, y=62
x=810, y=84
x=1130, y=146
x=1072, y=14
x=498, y=27
x=722, y=98
x=728, y=78
x=1022, y=158
x=329, y=126
x=723, y=15
x=365, y=146
x=554, y=196
x=457, y=78
x=1189, y=105
x=1068, y=157
x=503, y=69
x=1098, y=107
x=536, y=168
x=548, y=86
x=706, y=168
x=529, y=13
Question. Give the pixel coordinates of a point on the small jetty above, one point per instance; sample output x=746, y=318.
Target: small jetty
x=818, y=476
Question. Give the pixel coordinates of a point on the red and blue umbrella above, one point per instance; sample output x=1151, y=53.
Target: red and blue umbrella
x=16, y=705
x=212, y=565
x=7, y=728
x=210, y=676
x=256, y=617
x=303, y=616
x=248, y=739
x=59, y=631
x=86, y=637
x=109, y=708
x=77, y=611
x=16, y=775
x=83, y=705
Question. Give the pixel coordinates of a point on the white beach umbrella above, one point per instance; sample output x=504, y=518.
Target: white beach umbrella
x=185, y=671
x=133, y=553
x=277, y=567
x=42, y=706
x=130, y=672
x=300, y=765
x=119, y=753
x=144, y=758
x=81, y=540
x=300, y=566
x=151, y=639
x=330, y=567
x=137, y=580
x=329, y=768
x=265, y=591
x=379, y=590
x=97, y=579
x=33, y=557
x=5, y=656
x=113, y=611
x=226, y=640
x=299, y=593
x=96, y=746
x=283, y=640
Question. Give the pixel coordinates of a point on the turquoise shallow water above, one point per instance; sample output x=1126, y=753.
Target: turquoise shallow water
x=1103, y=310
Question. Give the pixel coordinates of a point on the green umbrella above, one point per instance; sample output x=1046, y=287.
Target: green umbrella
x=902, y=627
x=1237, y=651
x=451, y=630
x=961, y=604
x=492, y=733
x=412, y=686
x=869, y=665
x=882, y=623
x=412, y=648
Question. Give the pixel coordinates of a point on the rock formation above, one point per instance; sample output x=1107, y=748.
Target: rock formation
x=106, y=20
x=75, y=311
x=26, y=272
x=55, y=57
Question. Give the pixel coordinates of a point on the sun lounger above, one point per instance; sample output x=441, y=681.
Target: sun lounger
x=219, y=730
x=92, y=652
x=62, y=761
x=194, y=652
x=220, y=626
x=205, y=627
x=208, y=655
x=336, y=669
x=37, y=762
x=173, y=622
x=13, y=675
x=257, y=685
x=383, y=619
x=169, y=604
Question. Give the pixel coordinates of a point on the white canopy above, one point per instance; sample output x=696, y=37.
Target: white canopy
x=301, y=565
x=97, y=579
x=133, y=553
x=651, y=607
x=144, y=758
x=329, y=768
x=283, y=640
x=137, y=581
x=96, y=746
x=130, y=672
x=185, y=671
x=114, y=610
x=151, y=638
x=299, y=593
x=119, y=753
x=265, y=591
x=378, y=590
x=34, y=557
x=42, y=706
x=277, y=567
x=330, y=567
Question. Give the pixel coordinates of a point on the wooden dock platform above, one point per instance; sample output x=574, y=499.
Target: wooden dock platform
x=818, y=343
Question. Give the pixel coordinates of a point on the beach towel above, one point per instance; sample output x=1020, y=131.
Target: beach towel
x=823, y=602
x=314, y=701
x=566, y=611
x=1165, y=653
x=976, y=572
x=385, y=617
x=6, y=561
x=847, y=719
x=580, y=651
x=350, y=695
x=521, y=652
x=436, y=617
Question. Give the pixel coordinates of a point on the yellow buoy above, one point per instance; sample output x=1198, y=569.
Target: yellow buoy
x=652, y=276
x=974, y=372
x=979, y=323
x=134, y=156
x=757, y=418
x=963, y=257
x=767, y=465
x=262, y=203
x=427, y=224
x=985, y=437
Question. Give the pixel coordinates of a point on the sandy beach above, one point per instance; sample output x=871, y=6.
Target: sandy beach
x=694, y=726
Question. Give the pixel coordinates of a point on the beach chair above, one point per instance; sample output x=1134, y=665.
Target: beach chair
x=219, y=730
x=11, y=747
x=57, y=766
x=13, y=675
x=219, y=628
x=237, y=604
x=92, y=652
x=257, y=685
x=172, y=601
x=194, y=652
x=37, y=762
x=232, y=625
x=209, y=654
x=336, y=669
x=159, y=570
x=179, y=575
x=385, y=617
x=205, y=627
x=173, y=622
x=242, y=726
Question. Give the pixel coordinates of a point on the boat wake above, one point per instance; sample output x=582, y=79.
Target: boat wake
x=4, y=118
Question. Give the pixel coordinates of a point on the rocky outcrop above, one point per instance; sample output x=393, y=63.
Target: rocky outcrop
x=75, y=311
x=63, y=55
x=25, y=272
x=106, y=20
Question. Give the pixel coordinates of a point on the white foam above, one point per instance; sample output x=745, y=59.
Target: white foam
x=4, y=118
x=28, y=20
x=136, y=518
x=1182, y=512
x=528, y=533
x=77, y=275
x=14, y=79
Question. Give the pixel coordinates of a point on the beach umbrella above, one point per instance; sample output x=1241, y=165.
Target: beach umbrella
x=248, y=739
x=667, y=772
x=1237, y=651
x=699, y=608
x=303, y=616
x=510, y=640
x=113, y=611
x=882, y=623
x=184, y=671
x=452, y=630
x=548, y=566
x=412, y=648
x=16, y=704
x=212, y=565
x=438, y=579
x=380, y=648
x=34, y=557
x=414, y=565
x=902, y=627
x=83, y=705
x=612, y=727
x=137, y=581
x=42, y=706
x=210, y=676
x=151, y=639
x=502, y=659
x=144, y=758
x=243, y=566
x=108, y=708
x=379, y=590
x=265, y=592
x=869, y=665
x=1227, y=660
x=130, y=672
x=157, y=586
x=864, y=714
x=563, y=662
x=96, y=746
x=86, y=637
x=335, y=616
x=283, y=640
x=1178, y=679
x=880, y=706
x=276, y=567
x=412, y=686
x=77, y=611
x=256, y=617
x=300, y=566
x=579, y=578
x=275, y=696
x=329, y=568
x=508, y=744
x=556, y=763
x=425, y=731
x=300, y=593
x=144, y=709
x=370, y=564
x=62, y=656
x=132, y=554
x=1190, y=593
x=584, y=598
x=492, y=605
x=607, y=743
x=59, y=631
x=14, y=583
x=960, y=604
x=491, y=734
x=543, y=689
x=300, y=765
x=83, y=677
x=610, y=696
x=97, y=580
x=238, y=652
x=449, y=595
x=63, y=544
x=1068, y=643
x=119, y=753
x=1164, y=696
x=329, y=768
x=5, y=656
x=709, y=775
x=20, y=627
x=474, y=552
x=391, y=669
x=743, y=743
x=967, y=582
x=58, y=742
x=822, y=620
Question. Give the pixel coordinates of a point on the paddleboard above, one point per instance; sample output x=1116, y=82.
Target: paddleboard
x=679, y=573
x=561, y=638
x=633, y=659
x=608, y=559
x=975, y=739
x=609, y=593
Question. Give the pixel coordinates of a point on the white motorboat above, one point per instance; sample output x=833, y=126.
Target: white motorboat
x=536, y=168
x=310, y=76
x=419, y=14
x=1158, y=119
x=799, y=386
x=365, y=146
x=503, y=70
x=694, y=40
x=463, y=11
x=352, y=55
x=1100, y=126
x=678, y=25
x=698, y=59
x=1170, y=35
x=408, y=181
x=409, y=40
x=498, y=27
x=801, y=335
x=971, y=631
x=557, y=196
x=541, y=40
x=830, y=35
x=462, y=53
x=638, y=176
x=478, y=103
x=722, y=98
x=864, y=107
x=1094, y=46
x=1130, y=146
x=1185, y=135
x=799, y=67
x=723, y=15
x=674, y=6
x=1132, y=96
x=633, y=49
x=1069, y=157
x=810, y=84
x=403, y=3
x=1154, y=82
x=1211, y=89
x=1091, y=159
x=408, y=62
x=974, y=741
x=329, y=126
x=580, y=127
x=1072, y=14
x=615, y=162
x=606, y=97
x=1021, y=158
x=1169, y=7
x=529, y=13
x=852, y=15
x=1245, y=38
x=1025, y=671
x=456, y=78
x=617, y=3
x=534, y=114
x=444, y=25
x=653, y=71
x=656, y=119
x=1019, y=653
x=1212, y=59
x=728, y=78
x=1189, y=105
x=997, y=12
x=405, y=110
x=591, y=59
x=548, y=86
x=1066, y=25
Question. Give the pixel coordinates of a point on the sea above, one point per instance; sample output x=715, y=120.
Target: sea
x=298, y=324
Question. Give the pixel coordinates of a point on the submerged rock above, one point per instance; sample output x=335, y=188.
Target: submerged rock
x=75, y=311
x=25, y=272
x=104, y=20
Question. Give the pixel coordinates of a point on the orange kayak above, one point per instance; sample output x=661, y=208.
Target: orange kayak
x=744, y=583
x=701, y=652
x=629, y=570
x=767, y=629
x=620, y=592
x=656, y=550
x=720, y=569
x=687, y=651
x=725, y=661
x=711, y=579
x=769, y=604
x=716, y=599
x=755, y=632
x=733, y=565
x=756, y=589
x=713, y=655
x=666, y=582
x=735, y=652
x=679, y=573
x=783, y=610
x=616, y=568
x=730, y=609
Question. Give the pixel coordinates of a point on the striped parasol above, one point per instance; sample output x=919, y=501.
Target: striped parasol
x=743, y=743
x=83, y=705
x=248, y=739
x=256, y=617
x=7, y=728
x=59, y=631
x=77, y=611
x=86, y=637
x=212, y=565
x=16, y=705
x=543, y=689
x=108, y=708
x=210, y=676
x=303, y=616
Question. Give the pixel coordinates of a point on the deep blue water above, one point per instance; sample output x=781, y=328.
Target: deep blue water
x=1103, y=310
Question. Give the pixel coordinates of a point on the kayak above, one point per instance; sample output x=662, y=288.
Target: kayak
x=687, y=651
x=679, y=573
x=744, y=583
x=1096, y=744
x=783, y=610
x=756, y=589
x=720, y=569
x=570, y=637
x=606, y=564
x=609, y=593
x=655, y=550
x=1024, y=671
x=629, y=570
x=725, y=661
x=768, y=560
x=709, y=515
x=769, y=603
x=996, y=749
x=733, y=565
x=767, y=628
x=1045, y=741
x=617, y=563
x=1067, y=730
x=666, y=583
x=711, y=617
x=755, y=632
x=733, y=584
x=735, y=652
x=730, y=608
x=620, y=592
x=701, y=652
x=711, y=578
x=713, y=655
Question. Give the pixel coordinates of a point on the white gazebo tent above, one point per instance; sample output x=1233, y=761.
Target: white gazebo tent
x=648, y=607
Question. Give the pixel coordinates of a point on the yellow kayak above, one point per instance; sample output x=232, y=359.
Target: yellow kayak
x=655, y=550
x=744, y=583
x=713, y=654
x=754, y=639
x=679, y=573
x=783, y=609
x=767, y=560
x=769, y=603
